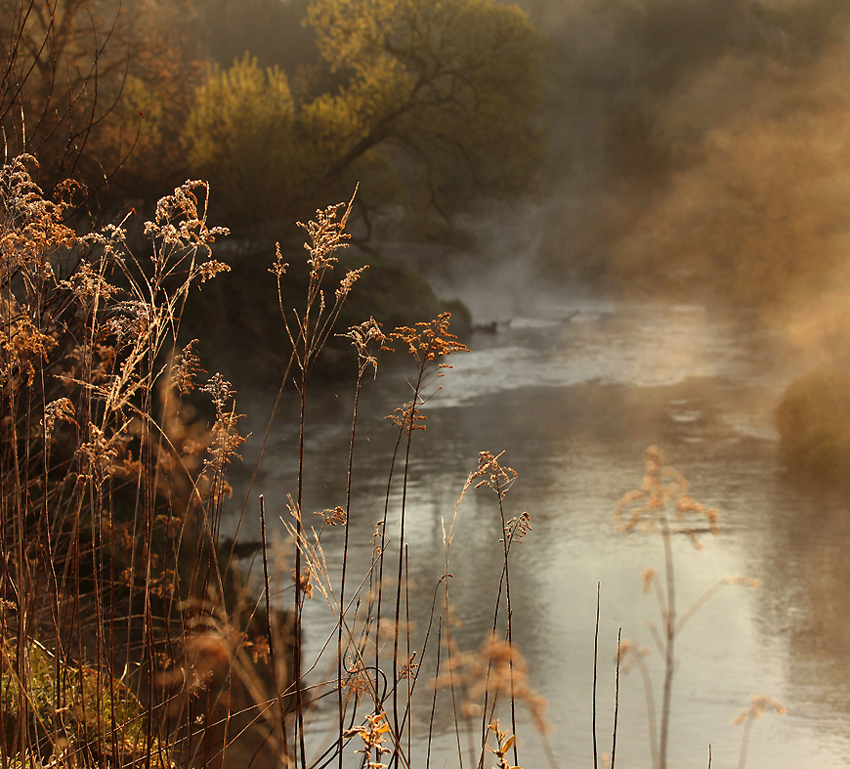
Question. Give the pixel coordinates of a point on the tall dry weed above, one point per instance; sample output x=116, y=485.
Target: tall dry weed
x=128, y=635
x=112, y=489
x=663, y=504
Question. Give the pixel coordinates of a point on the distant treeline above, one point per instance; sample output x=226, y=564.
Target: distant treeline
x=282, y=106
x=674, y=146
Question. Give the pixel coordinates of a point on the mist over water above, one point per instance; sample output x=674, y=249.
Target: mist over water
x=698, y=160
x=697, y=149
x=573, y=394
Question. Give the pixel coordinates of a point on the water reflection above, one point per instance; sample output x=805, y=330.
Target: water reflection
x=574, y=399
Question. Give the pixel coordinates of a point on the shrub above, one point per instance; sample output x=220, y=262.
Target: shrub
x=814, y=428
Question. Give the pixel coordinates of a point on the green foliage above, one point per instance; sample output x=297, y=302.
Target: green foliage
x=435, y=97
x=460, y=78
x=100, y=718
x=240, y=134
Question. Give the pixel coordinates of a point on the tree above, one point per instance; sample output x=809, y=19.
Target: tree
x=240, y=135
x=54, y=66
x=434, y=101
x=88, y=82
x=164, y=68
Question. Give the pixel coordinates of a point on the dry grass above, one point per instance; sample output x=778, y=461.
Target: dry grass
x=128, y=637
x=127, y=634
x=663, y=505
x=112, y=493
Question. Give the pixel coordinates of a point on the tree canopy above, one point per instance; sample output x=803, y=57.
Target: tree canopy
x=93, y=86
x=240, y=133
x=426, y=103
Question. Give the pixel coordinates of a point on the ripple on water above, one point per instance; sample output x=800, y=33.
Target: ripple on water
x=574, y=401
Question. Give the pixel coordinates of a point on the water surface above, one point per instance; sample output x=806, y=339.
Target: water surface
x=573, y=397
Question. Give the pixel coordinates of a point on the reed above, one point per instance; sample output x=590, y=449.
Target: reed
x=663, y=505
x=130, y=634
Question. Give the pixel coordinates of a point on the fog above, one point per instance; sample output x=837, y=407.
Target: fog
x=695, y=150
x=696, y=144
x=697, y=156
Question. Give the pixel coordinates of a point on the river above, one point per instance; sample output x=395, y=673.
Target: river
x=573, y=396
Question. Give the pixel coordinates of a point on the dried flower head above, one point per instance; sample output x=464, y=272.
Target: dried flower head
x=504, y=742
x=99, y=455
x=88, y=286
x=333, y=516
x=180, y=222
x=23, y=348
x=759, y=705
x=326, y=235
x=185, y=367
x=428, y=341
x=365, y=338
x=408, y=417
x=496, y=477
x=60, y=410
x=409, y=668
x=220, y=390
x=497, y=668
x=304, y=580
x=518, y=527
x=348, y=281
x=373, y=733
x=357, y=683
x=663, y=499
x=279, y=267
x=225, y=438
x=648, y=576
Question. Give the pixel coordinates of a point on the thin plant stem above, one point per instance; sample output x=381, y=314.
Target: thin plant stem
x=402, y=522
x=595, y=660
x=616, y=700
x=340, y=653
x=509, y=609
x=409, y=663
x=299, y=704
x=418, y=669
x=669, y=640
x=383, y=547
x=452, y=688
x=434, y=698
x=270, y=635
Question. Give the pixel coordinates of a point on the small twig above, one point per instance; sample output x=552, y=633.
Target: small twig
x=709, y=755
x=434, y=700
x=595, y=658
x=271, y=639
x=616, y=700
